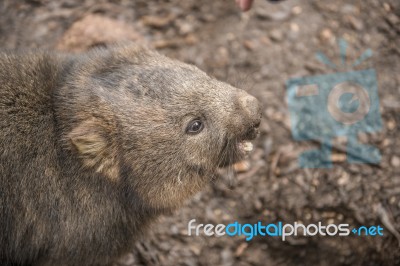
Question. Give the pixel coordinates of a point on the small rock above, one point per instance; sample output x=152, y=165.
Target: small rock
x=392, y=200
x=230, y=36
x=391, y=124
x=191, y=39
x=156, y=21
x=387, y=7
x=174, y=230
x=217, y=212
x=355, y=23
x=249, y=45
x=294, y=27
x=349, y=9
x=208, y=17
x=338, y=157
x=257, y=205
x=296, y=10
x=240, y=249
x=185, y=27
x=344, y=179
x=265, y=40
x=326, y=35
x=393, y=19
x=221, y=57
x=242, y=166
x=274, y=16
x=395, y=161
x=226, y=256
x=276, y=35
x=195, y=249
x=293, y=34
x=386, y=142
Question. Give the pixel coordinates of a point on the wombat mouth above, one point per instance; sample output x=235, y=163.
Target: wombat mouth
x=236, y=150
x=245, y=146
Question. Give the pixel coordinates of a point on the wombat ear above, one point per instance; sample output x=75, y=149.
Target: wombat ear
x=91, y=141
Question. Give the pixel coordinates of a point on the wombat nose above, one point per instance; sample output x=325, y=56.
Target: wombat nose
x=252, y=108
x=252, y=115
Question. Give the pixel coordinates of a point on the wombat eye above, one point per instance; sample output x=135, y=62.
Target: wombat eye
x=194, y=127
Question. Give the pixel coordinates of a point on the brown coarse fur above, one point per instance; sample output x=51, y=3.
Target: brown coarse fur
x=95, y=146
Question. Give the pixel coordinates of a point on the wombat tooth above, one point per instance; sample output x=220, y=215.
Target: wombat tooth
x=247, y=146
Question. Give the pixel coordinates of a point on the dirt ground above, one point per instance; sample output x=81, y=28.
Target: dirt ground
x=257, y=51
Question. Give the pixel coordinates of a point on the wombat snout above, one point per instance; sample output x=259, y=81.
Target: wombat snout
x=252, y=108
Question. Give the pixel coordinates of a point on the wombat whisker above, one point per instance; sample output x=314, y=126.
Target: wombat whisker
x=225, y=151
x=239, y=156
x=231, y=171
x=179, y=178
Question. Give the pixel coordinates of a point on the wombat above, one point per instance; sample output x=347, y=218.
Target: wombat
x=93, y=147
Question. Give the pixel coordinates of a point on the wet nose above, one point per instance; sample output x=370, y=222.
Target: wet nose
x=252, y=108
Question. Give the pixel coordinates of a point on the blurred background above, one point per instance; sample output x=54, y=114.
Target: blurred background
x=257, y=51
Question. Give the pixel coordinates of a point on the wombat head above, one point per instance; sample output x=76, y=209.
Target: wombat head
x=160, y=125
